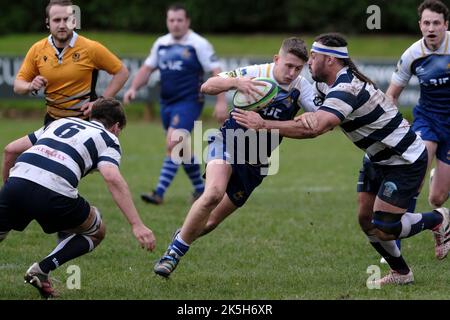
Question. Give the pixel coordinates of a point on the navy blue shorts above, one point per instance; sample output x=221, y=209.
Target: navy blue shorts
x=434, y=128
x=181, y=115
x=396, y=185
x=22, y=201
x=244, y=177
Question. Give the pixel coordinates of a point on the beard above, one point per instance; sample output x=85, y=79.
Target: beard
x=63, y=38
x=318, y=77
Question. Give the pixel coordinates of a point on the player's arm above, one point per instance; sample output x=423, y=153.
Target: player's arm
x=221, y=110
x=301, y=127
x=28, y=78
x=140, y=80
x=216, y=85
x=24, y=87
x=117, y=82
x=11, y=152
x=122, y=196
x=393, y=92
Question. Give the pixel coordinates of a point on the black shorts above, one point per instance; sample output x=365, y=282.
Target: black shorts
x=244, y=179
x=396, y=185
x=22, y=201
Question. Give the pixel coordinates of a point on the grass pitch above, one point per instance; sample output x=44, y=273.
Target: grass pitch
x=296, y=238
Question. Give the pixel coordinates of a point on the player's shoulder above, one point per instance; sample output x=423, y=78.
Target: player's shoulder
x=39, y=45
x=163, y=40
x=301, y=82
x=414, y=51
x=193, y=38
x=87, y=43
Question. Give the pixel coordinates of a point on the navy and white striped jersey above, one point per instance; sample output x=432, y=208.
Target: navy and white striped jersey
x=182, y=64
x=64, y=152
x=371, y=121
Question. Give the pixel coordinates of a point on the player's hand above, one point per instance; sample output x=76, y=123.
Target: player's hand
x=308, y=120
x=249, y=87
x=144, y=236
x=38, y=83
x=129, y=95
x=248, y=119
x=87, y=108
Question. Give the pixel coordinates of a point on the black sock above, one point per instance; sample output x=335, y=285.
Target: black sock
x=390, y=252
x=69, y=249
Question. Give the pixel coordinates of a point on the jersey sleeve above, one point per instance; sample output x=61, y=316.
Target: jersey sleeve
x=207, y=56
x=28, y=71
x=307, y=96
x=152, y=59
x=112, y=154
x=34, y=136
x=340, y=103
x=105, y=59
x=250, y=71
x=402, y=73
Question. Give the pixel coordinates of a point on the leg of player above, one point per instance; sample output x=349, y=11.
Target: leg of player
x=386, y=248
x=168, y=172
x=440, y=184
x=225, y=208
x=83, y=240
x=218, y=173
x=391, y=224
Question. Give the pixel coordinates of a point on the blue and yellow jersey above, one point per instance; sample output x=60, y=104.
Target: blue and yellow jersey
x=289, y=100
x=432, y=68
x=71, y=74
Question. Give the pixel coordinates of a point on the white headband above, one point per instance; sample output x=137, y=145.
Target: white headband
x=338, y=52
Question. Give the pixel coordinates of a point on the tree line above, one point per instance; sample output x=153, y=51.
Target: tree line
x=226, y=16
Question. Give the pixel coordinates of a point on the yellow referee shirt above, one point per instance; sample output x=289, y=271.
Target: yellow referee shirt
x=71, y=74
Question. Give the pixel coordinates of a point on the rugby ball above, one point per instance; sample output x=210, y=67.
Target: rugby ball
x=246, y=102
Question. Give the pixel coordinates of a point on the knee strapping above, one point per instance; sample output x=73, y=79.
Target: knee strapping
x=387, y=222
x=92, y=230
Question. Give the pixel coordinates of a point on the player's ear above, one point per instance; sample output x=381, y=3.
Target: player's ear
x=47, y=23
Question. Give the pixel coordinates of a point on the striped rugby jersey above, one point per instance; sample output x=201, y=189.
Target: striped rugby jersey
x=371, y=121
x=64, y=152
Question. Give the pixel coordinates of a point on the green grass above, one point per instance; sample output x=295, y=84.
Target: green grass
x=296, y=238
x=259, y=45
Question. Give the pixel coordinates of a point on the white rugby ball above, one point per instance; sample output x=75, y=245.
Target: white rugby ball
x=247, y=102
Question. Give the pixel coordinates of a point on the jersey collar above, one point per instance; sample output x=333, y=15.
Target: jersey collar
x=72, y=42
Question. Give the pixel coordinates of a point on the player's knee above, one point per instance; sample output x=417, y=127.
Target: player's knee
x=97, y=230
x=365, y=222
x=99, y=235
x=211, y=198
x=3, y=235
x=437, y=200
x=389, y=223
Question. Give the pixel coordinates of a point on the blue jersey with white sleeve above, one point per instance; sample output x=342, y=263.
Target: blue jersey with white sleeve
x=432, y=68
x=290, y=98
x=182, y=65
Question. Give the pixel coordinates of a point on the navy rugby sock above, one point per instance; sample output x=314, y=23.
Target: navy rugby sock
x=414, y=223
x=391, y=253
x=70, y=248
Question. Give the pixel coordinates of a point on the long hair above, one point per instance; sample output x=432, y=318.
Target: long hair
x=337, y=40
